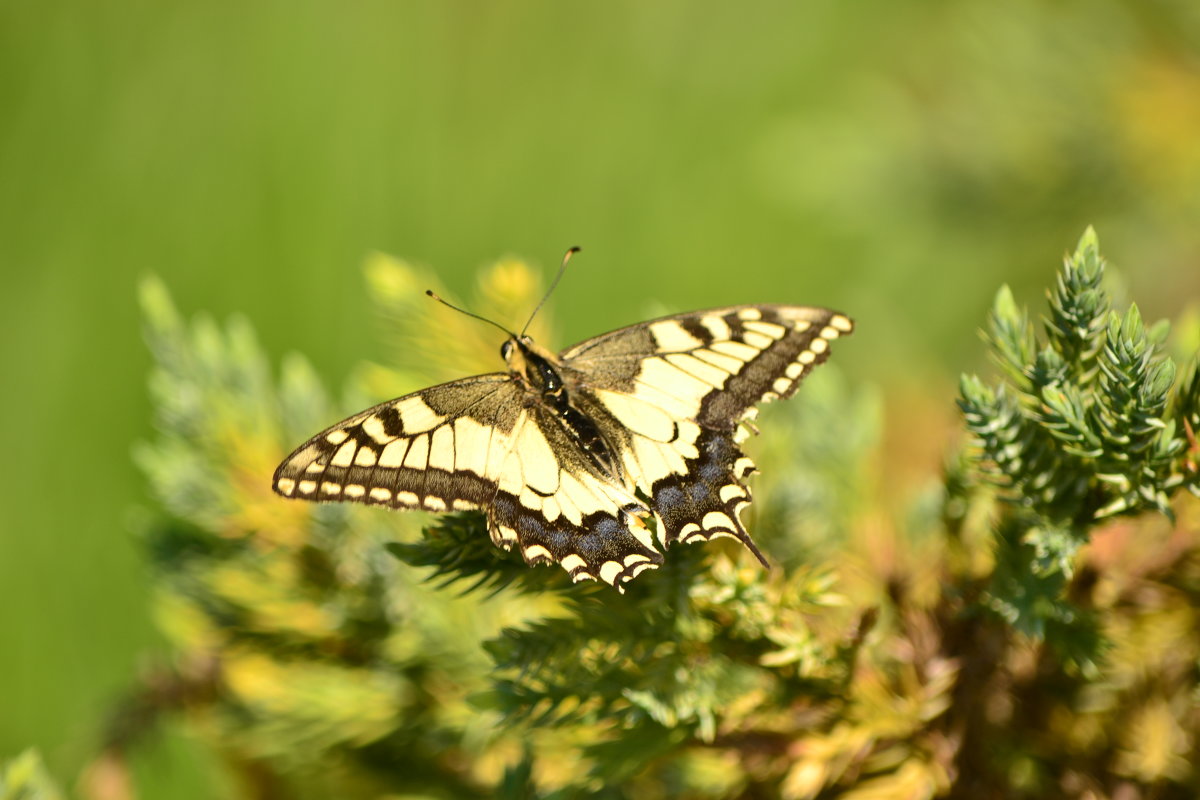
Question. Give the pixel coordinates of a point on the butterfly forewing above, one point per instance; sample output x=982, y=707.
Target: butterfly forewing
x=665, y=398
x=437, y=449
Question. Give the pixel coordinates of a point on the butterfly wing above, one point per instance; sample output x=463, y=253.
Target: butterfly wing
x=673, y=391
x=478, y=444
x=438, y=449
x=558, y=507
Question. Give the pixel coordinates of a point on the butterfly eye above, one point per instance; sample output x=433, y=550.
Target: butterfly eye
x=506, y=349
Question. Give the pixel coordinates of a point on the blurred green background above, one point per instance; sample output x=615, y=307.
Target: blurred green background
x=895, y=160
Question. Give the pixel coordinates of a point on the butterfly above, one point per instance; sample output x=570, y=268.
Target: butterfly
x=598, y=458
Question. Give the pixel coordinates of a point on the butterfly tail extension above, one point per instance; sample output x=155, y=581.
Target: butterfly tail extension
x=707, y=500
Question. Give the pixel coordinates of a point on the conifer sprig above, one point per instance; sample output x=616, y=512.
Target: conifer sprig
x=1079, y=430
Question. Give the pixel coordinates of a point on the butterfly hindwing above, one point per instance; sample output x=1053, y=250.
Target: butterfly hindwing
x=579, y=518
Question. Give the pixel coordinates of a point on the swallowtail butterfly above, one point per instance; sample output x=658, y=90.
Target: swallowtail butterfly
x=598, y=458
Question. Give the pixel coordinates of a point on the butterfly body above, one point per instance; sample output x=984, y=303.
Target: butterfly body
x=540, y=371
x=598, y=458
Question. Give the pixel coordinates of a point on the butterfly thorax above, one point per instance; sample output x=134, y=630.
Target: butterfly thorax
x=539, y=371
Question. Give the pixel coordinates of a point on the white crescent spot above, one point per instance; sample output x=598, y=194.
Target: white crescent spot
x=503, y=536
x=714, y=520
x=640, y=568
x=730, y=491
x=535, y=552
x=609, y=571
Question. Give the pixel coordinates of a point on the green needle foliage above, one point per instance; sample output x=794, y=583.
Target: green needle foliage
x=1024, y=629
x=1079, y=431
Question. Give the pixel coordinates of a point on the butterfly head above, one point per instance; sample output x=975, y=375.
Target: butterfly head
x=532, y=362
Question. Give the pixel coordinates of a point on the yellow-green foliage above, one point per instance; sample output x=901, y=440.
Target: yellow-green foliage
x=24, y=778
x=1020, y=632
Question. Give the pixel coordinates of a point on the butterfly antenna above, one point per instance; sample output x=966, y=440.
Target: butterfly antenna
x=432, y=294
x=563, y=268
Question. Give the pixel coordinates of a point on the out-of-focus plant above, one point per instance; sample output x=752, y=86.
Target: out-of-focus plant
x=1025, y=631
x=25, y=778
